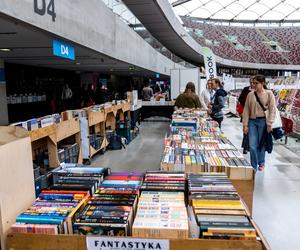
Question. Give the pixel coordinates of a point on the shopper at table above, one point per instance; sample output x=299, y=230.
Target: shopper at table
x=215, y=108
x=189, y=99
x=208, y=93
x=255, y=121
x=147, y=92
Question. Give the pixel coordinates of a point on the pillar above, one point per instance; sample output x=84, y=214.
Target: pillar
x=3, y=96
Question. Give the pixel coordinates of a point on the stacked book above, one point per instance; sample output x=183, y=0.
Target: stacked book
x=112, y=208
x=53, y=212
x=122, y=183
x=203, y=150
x=78, y=177
x=108, y=219
x=219, y=211
x=161, y=215
x=164, y=181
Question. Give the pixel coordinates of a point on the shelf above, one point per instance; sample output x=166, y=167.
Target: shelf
x=104, y=144
x=40, y=133
x=94, y=151
x=109, y=110
x=72, y=242
x=67, y=128
x=27, y=103
x=11, y=133
x=96, y=117
x=16, y=177
x=126, y=107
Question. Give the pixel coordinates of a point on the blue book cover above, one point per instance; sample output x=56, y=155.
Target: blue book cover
x=28, y=219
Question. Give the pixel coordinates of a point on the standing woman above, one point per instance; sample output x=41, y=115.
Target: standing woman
x=255, y=121
x=215, y=108
x=208, y=93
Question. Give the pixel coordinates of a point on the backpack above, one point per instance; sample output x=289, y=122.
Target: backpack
x=115, y=143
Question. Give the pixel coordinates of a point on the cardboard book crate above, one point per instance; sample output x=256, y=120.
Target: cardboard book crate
x=76, y=242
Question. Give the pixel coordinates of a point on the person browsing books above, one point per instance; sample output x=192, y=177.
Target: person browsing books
x=208, y=93
x=189, y=99
x=255, y=121
x=215, y=108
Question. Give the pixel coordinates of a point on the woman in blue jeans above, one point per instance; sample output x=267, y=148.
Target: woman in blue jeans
x=255, y=121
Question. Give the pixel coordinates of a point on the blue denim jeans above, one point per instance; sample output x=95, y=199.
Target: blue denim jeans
x=256, y=130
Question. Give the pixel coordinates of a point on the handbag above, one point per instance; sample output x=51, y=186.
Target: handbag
x=277, y=119
x=239, y=108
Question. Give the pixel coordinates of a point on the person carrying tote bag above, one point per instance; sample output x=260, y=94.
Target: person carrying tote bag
x=255, y=121
x=277, y=130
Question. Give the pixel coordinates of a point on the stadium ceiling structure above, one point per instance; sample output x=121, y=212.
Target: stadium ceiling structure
x=275, y=11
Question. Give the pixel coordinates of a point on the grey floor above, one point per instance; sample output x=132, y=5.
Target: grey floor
x=277, y=189
x=143, y=153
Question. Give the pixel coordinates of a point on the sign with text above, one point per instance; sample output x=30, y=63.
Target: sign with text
x=42, y=7
x=64, y=50
x=210, y=63
x=98, y=243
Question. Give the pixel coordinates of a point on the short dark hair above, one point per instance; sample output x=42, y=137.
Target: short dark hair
x=217, y=81
x=191, y=86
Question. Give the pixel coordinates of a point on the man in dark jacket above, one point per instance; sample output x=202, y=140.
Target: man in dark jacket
x=215, y=109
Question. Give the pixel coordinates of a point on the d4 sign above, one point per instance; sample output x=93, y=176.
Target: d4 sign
x=43, y=6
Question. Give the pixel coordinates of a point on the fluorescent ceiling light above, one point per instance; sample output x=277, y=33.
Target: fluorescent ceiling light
x=5, y=49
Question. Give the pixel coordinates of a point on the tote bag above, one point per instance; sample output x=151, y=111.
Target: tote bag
x=277, y=119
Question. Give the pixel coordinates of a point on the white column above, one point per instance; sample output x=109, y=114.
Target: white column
x=3, y=96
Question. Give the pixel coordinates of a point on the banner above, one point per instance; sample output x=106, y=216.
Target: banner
x=209, y=62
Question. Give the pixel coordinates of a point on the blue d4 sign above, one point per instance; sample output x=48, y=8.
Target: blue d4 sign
x=63, y=50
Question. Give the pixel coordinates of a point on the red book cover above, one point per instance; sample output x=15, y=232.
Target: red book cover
x=64, y=192
x=163, y=179
x=123, y=178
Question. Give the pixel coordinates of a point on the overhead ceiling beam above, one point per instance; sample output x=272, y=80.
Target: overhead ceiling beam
x=180, y=2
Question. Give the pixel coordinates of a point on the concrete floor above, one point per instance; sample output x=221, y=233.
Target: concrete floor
x=143, y=153
x=277, y=189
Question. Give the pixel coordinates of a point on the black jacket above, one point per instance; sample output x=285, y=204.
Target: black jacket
x=266, y=141
x=218, y=103
x=243, y=95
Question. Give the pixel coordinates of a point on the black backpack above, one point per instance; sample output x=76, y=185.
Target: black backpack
x=115, y=143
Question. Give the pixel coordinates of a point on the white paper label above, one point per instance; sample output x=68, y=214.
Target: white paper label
x=108, y=243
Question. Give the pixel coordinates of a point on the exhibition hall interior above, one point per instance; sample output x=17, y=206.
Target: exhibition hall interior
x=149, y=124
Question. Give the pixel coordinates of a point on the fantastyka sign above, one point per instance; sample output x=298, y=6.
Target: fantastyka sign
x=98, y=243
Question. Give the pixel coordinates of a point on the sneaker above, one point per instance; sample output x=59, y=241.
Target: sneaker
x=261, y=167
